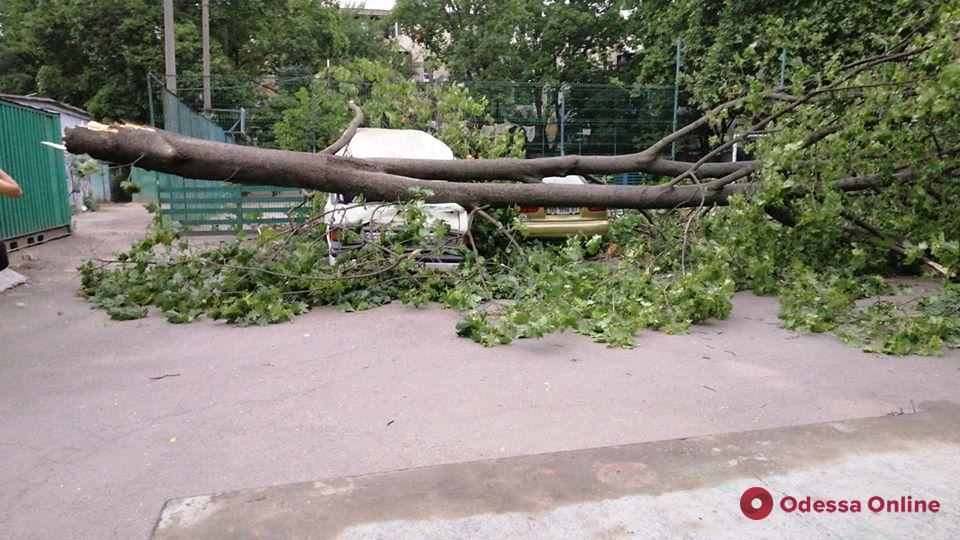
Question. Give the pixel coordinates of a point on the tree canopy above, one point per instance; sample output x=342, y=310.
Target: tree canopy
x=390, y=100
x=724, y=43
x=97, y=55
x=528, y=40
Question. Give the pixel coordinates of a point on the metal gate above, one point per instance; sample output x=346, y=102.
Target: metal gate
x=208, y=207
x=43, y=212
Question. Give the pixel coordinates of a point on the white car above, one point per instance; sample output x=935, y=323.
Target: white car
x=371, y=218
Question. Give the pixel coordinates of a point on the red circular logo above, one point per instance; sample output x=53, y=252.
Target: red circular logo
x=756, y=494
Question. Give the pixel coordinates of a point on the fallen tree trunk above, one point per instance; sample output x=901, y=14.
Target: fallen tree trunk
x=167, y=152
x=207, y=160
x=534, y=170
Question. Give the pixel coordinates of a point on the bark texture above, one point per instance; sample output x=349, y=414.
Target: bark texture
x=380, y=179
x=348, y=133
x=208, y=160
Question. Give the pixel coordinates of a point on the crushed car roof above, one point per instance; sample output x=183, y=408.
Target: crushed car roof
x=395, y=143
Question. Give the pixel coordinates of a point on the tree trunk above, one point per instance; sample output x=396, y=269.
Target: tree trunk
x=404, y=179
x=167, y=152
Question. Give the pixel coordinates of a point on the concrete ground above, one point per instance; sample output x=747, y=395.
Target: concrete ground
x=101, y=422
x=688, y=488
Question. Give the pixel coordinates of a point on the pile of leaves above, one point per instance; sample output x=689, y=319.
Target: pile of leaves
x=274, y=276
x=641, y=276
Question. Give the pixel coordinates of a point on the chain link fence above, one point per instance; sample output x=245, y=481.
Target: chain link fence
x=556, y=118
x=587, y=119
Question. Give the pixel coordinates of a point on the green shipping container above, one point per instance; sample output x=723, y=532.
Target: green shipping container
x=44, y=210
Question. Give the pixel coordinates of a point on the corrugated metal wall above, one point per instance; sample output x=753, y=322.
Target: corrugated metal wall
x=39, y=169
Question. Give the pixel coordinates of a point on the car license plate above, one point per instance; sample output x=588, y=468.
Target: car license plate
x=563, y=211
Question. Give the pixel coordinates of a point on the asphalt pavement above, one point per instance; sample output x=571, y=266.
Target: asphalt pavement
x=102, y=422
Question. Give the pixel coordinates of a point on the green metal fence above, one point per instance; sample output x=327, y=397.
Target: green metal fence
x=205, y=207
x=44, y=210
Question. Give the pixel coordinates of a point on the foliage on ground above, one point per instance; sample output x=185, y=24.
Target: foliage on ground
x=506, y=294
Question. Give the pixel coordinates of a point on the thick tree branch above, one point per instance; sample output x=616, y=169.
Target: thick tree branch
x=720, y=183
x=658, y=147
x=533, y=170
x=896, y=245
x=867, y=63
x=193, y=158
x=855, y=68
x=347, y=133
x=163, y=151
x=818, y=136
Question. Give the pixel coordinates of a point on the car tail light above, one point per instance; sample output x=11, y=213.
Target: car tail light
x=597, y=208
x=529, y=209
x=333, y=234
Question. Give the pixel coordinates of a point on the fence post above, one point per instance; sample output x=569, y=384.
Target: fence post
x=153, y=118
x=783, y=66
x=239, y=204
x=676, y=98
x=563, y=113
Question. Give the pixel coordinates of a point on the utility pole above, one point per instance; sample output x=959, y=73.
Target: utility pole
x=205, y=21
x=169, y=47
